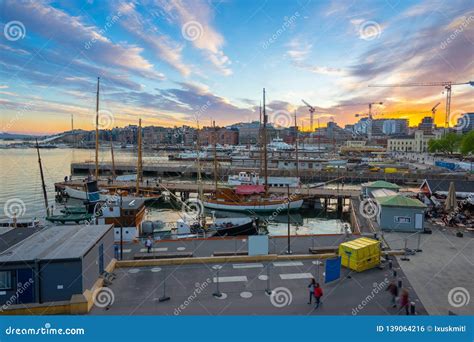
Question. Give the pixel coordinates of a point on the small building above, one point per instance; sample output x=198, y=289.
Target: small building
x=464, y=188
x=368, y=188
x=55, y=263
x=400, y=213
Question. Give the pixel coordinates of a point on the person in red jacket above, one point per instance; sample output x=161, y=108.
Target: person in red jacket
x=405, y=301
x=318, y=293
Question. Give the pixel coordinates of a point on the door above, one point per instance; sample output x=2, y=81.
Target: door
x=101, y=258
x=25, y=285
x=418, y=221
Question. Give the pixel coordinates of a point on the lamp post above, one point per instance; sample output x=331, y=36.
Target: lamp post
x=288, y=217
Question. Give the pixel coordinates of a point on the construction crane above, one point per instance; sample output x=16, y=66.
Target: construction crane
x=369, y=127
x=446, y=84
x=311, y=114
x=433, y=111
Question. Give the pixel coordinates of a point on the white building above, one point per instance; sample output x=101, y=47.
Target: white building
x=415, y=143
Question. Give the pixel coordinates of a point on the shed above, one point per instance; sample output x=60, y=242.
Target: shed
x=368, y=188
x=400, y=213
x=55, y=263
x=464, y=188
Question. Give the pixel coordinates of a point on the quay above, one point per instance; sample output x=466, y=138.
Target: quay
x=188, y=169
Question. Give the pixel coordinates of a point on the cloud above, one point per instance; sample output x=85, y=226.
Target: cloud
x=70, y=31
x=196, y=16
x=162, y=45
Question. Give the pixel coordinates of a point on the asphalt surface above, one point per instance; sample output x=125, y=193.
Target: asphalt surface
x=137, y=291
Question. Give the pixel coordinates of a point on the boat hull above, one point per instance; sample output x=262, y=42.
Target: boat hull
x=248, y=228
x=255, y=207
x=82, y=195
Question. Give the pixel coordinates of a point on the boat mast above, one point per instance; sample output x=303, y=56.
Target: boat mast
x=43, y=185
x=198, y=164
x=265, y=161
x=139, y=159
x=97, y=132
x=215, y=154
x=112, y=153
x=260, y=145
x=296, y=147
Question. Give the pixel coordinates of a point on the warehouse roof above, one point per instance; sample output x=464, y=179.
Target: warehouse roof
x=382, y=185
x=54, y=243
x=11, y=236
x=400, y=201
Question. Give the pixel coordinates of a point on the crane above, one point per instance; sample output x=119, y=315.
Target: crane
x=446, y=84
x=433, y=111
x=369, y=127
x=311, y=114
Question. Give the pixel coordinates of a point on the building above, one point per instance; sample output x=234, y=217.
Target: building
x=415, y=143
x=400, y=213
x=463, y=188
x=55, y=263
x=369, y=188
x=427, y=125
x=225, y=136
x=395, y=127
x=249, y=133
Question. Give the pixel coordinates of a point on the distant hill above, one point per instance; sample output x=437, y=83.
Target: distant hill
x=9, y=136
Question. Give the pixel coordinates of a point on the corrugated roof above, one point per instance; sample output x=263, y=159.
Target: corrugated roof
x=57, y=242
x=383, y=193
x=382, y=184
x=400, y=201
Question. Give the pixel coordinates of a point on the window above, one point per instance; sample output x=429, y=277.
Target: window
x=402, y=219
x=5, y=280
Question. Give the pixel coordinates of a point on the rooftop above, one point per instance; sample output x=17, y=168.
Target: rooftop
x=54, y=243
x=400, y=201
x=382, y=185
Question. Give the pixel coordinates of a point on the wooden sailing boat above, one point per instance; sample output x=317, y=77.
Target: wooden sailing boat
x=252, y=198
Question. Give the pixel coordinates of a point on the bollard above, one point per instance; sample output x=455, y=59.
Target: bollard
x=404, y=257
x=164, y=298
x=217, y=294
x=394, y=273
x=267, y=290
x=412, y=308
x=400, y=283
x=418, y=249
x=390, y=265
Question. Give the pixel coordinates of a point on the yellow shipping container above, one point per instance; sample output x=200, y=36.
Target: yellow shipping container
x=390, y=169
x=362, y=253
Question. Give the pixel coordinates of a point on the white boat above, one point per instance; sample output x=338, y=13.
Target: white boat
x=254, y=207
x=191, y=155
x=103, y=195
x=278, y=144
x=253, y=178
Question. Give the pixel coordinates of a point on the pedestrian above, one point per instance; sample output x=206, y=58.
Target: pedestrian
x=393, y=289
x=311, y=287
x=318, y=293
x=148, y=244
x=405, y=301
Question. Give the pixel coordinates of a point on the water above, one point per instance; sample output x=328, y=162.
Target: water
x=21, y=191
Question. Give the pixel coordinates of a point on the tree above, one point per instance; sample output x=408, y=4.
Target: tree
x=467, y=143
x=448, y=144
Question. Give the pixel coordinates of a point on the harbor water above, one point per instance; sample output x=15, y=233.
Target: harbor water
x=21, y=189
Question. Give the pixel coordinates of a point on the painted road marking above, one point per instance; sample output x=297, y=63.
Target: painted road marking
x=161, y=249
x=128, y=250
x=230, y=279
x=288, y=263
x=181, y=248
x=246, y=294
x=296, y=276
x=237, y=266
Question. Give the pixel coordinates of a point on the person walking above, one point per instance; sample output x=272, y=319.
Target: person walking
x=405, y=301
x=311, y=287
x=148, y=244
x=393, y=289
x=318, y=293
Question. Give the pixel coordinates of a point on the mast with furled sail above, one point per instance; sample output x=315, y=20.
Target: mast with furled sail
x=265, y=159
x=97, y=132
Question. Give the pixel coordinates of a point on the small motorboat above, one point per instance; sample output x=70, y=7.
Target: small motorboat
x=235, y=226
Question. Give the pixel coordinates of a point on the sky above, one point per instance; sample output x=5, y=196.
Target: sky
x=174, y=63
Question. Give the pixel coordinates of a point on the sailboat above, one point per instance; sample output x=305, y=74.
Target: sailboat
x=252, y=198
